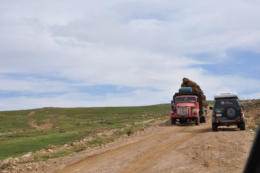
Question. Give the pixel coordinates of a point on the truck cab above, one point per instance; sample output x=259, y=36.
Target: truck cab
x=185, y=107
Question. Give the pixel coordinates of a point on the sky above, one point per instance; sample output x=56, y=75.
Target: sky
x=86, y=53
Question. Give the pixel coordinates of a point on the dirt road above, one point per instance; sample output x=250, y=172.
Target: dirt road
x=170, y=149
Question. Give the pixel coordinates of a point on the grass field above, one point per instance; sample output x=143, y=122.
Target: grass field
x=252, y=113
x=26, y=131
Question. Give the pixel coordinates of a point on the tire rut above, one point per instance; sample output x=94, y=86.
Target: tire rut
x=141, y=163
x=150, y=157
x=95, y=159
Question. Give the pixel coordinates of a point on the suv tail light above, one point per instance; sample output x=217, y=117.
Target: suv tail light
x=214, y=114
x=241, y=113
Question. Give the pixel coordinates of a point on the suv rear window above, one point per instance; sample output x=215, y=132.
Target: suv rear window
x=226, y=102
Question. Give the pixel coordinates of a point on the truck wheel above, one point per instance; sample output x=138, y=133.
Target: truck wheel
x=197, y=121
x=242, y=126
x=214, y=127
x=173, y=121
x=202, y=119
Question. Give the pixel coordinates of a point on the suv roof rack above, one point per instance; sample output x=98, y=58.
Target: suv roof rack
x=226, y=95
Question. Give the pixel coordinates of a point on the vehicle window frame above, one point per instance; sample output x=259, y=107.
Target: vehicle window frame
x=195, y=99
x=235, y=102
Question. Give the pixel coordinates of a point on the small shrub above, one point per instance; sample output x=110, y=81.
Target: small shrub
x=5, y=165
x=129, y=132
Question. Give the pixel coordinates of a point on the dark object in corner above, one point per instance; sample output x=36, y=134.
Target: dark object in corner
x=253, y=162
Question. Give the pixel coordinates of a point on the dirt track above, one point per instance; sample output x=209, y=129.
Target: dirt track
x=170, y=149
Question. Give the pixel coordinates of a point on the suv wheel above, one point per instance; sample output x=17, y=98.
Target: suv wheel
x=214, y=127
x=242, y=126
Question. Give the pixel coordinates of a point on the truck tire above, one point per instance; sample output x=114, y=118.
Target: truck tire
x=242, y=126
x=202, y=119
x=214, y=127
x=197, y=121
x=173, y=121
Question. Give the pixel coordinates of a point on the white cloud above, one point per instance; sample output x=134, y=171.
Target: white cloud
x=126, y=43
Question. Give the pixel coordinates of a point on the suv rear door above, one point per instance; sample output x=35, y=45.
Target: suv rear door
x=227, y=109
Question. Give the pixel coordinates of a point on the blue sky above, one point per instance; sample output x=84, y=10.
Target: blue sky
x=243, y=63
x=125, y=53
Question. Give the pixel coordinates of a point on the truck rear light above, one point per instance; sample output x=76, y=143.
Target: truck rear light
x=238, y=121
x=217, y=121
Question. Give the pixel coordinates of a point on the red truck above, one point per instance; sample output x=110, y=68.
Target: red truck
x=187, y=106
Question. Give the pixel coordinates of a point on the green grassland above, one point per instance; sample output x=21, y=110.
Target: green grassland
x=26, y=131
x=252, y=113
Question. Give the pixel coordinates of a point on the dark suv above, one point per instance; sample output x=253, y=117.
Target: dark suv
x=227, y=111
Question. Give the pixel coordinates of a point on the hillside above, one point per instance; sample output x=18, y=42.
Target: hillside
x=31, y=130
x=252, y=113
x=68, y=139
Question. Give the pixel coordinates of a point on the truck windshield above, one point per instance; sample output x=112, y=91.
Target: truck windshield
x=185, y=99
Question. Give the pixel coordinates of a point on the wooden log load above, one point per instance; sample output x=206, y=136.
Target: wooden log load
x=195, y=88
